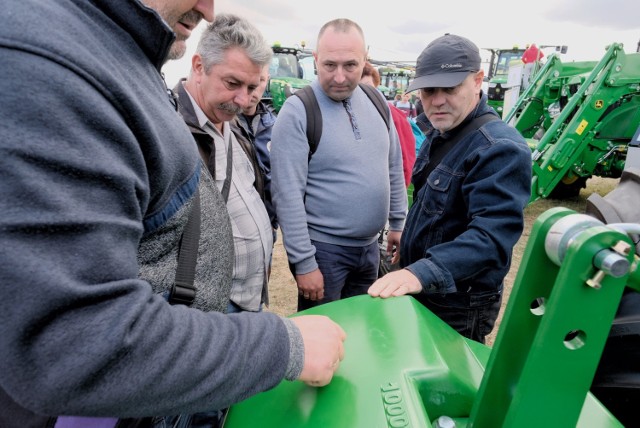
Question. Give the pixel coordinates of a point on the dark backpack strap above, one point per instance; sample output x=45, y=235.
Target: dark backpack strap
x=250, y=150
x=378, y=100
x=183, y=290
x=227, y=180
x=314, y=118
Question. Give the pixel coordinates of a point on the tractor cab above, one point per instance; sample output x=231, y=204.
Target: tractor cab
x=290, y=70
x=497, y=73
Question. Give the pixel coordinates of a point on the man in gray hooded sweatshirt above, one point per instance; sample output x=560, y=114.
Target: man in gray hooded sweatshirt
x=99, y=172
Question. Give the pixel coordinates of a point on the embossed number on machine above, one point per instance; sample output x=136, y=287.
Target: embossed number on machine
x=394, y=408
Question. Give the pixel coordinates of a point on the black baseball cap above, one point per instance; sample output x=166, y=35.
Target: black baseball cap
x=445, y=63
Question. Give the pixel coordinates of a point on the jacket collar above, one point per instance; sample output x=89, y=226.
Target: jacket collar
x=185, y=108
x=145, y=26
x=263, y=108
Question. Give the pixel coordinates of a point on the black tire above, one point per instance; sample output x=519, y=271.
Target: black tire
x=564, y=190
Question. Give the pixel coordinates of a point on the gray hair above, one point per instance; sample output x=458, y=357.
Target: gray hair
x=229, y=31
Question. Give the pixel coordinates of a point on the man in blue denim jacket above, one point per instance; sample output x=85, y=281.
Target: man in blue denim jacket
x=472, y=180
x=255, y=123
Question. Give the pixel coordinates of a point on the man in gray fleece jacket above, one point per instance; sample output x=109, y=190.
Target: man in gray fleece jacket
x=98, y=174
x=332, y=207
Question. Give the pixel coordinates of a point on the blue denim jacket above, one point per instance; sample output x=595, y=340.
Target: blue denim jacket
x=465, y=220
x=259, y=133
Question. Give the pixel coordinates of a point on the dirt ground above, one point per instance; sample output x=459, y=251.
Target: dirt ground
x=283, y=291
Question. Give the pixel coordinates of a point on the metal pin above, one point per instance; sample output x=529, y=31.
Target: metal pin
x=595, y=282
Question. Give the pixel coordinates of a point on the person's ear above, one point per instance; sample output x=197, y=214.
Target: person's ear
x=479, y=77
x=197, y=66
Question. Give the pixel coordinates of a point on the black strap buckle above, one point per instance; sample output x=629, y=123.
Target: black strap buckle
x=182, y=294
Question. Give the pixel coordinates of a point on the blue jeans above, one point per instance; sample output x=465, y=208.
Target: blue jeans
x=473, y=315
x=347, y=271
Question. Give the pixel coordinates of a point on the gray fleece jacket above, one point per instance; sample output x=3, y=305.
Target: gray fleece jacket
x=351, y=186
x=98, y=172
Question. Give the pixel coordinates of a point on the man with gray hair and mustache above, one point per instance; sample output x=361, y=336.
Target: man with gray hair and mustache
x=226, y=69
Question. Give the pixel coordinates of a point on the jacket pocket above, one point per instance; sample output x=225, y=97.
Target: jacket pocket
x=438, y=187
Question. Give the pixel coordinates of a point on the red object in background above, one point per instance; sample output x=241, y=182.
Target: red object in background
x=532, y=54
x=407, y=141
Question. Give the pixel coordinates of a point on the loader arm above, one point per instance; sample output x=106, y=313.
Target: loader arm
x=578, y=118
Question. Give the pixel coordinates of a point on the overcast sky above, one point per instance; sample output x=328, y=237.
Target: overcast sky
x=399, y=30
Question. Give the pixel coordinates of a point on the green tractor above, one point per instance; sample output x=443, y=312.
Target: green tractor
x=579, y=118
x=394, y=77
x=498, y=72
x=291, y=69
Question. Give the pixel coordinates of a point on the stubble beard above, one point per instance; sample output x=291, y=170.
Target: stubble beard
x=179, y=46
x=177, y=49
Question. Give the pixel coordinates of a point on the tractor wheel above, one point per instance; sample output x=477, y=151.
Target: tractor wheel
x=564, y=189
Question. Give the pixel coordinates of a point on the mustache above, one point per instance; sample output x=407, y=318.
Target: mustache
x=230, y=108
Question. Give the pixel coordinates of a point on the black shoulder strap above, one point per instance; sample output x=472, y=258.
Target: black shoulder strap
x=183, y=291
x=471, y=126
x=314, y=118
x=378, y=100
x=244, y=140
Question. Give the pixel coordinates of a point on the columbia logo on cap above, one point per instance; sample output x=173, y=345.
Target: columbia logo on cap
x=458, y=65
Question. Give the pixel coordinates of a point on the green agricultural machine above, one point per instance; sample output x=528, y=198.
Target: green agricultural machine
x=579, y=118
x=394, y=77
x=291, y=69
x=498, y=72
x=404, y=367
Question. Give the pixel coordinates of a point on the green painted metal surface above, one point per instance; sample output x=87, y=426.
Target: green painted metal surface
x=410, y=194
x=553, y=332
x=404, y=367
